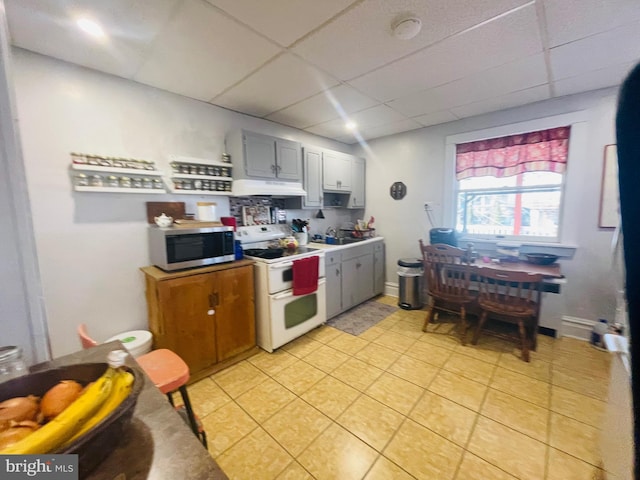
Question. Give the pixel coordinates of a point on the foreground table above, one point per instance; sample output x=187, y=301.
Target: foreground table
x=157, y=444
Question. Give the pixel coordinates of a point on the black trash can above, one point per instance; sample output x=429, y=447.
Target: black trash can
x=410, y=283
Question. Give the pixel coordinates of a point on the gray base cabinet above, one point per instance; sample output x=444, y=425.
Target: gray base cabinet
x=378, y=268
x=333, y=268
x=353, y=275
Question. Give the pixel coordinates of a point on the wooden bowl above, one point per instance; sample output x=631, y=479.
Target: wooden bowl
x=95, y=445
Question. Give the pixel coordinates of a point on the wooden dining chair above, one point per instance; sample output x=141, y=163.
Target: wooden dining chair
x=512, y=297
x=447, y=274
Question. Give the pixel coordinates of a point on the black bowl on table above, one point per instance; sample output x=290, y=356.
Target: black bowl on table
x=95, y=445
x=541, y=258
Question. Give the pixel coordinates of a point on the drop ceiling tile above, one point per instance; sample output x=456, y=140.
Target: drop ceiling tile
x=569, y=20
x=493, y=43
x=284, y=21
x=435, y=118
x=389, y=129
x=614, y=47
x=280, y=83
x=201, y=52
x=361, y=40
x=514, y=76
x=376, y=116
x=503, y=102
x=323, y=107
x=605, y=77
x=49, y=28
x=333, y=129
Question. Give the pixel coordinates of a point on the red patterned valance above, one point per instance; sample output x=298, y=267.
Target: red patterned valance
x=542, y=151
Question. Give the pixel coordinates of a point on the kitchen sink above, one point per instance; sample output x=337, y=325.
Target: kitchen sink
x=342, y=241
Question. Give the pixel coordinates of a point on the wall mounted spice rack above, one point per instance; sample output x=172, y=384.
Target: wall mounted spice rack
x=99, y=174
x=195, y=176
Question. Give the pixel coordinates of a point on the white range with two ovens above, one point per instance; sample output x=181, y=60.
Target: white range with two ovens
x=281, y=316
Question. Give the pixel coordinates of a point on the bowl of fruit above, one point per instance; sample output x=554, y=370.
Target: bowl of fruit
x=81, y=409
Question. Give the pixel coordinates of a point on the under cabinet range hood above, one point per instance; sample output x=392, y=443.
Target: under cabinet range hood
x=247, y=187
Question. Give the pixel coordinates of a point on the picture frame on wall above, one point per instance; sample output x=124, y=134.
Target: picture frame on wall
x=609, y=216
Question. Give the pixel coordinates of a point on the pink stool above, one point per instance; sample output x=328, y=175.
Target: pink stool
x=168, y=372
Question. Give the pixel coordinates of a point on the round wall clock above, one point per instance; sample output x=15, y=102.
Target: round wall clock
x=398, y=190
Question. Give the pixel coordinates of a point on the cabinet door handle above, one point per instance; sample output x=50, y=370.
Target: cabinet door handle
x=213, y=299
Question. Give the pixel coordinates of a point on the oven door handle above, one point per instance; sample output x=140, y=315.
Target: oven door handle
x=289, y=293
x=281, y=265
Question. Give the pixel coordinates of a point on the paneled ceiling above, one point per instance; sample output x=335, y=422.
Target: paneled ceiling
x=316, y=64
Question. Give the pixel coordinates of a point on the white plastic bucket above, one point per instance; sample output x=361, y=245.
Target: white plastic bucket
x=137, y=342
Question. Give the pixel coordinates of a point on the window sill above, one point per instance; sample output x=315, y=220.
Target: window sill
x=562, y=250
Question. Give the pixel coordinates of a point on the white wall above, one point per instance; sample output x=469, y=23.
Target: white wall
x=417, y=158
x=22, y=320
x=91, y=246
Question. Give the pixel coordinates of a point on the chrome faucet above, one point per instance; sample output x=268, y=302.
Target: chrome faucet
x=331, y=232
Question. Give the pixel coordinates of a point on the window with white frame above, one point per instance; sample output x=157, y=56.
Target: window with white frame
x=511, y=187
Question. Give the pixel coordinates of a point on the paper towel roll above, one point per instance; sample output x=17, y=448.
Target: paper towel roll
x=207, y=211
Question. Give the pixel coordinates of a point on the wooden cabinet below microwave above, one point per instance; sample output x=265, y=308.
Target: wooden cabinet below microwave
x=205, y=315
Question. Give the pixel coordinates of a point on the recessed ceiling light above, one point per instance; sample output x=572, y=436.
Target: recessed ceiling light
x=407, y=27
x=350, y=125
x=90, y=27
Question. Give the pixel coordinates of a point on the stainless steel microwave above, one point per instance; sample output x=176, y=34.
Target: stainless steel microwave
x=178, y=248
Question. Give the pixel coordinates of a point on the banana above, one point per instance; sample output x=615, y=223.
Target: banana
x=122, y=384
x=64, y=426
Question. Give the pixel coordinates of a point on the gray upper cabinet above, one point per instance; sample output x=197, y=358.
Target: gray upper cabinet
x=255, y=155
x=357, y=183
x=336, y=171
x=312, y=163
x=260, y=155
x=288, y=160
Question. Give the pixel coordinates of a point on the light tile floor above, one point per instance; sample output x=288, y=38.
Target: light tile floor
x=396, y=403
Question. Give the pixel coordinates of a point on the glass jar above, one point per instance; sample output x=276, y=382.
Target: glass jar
x=197, y=184
x=177, y=184
x=112, y=181
x=78, y=158
x=81, y=180
x=193, y=169
x=220, y=186
x=95, y=181
x=125, y=182
x=147, y=183
x=184, y=168
x=11, y=363
x=157, y=184
x=105, y=162
x=93, y=160
x=136, y=183
x=216, y=171
x=202, y=170
x=186, y=185
x=226, y=158
x=149, y=165
x=175, y=166
x=206, y=185
x=227, y=187
x=224, y=171
x=210, y=171
x=118, y=163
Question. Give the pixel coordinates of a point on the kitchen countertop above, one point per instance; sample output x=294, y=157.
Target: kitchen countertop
x=157, y=444
x=330, y=247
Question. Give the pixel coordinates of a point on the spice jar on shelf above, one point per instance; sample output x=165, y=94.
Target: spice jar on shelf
x=136, y=182
x=96, y=181
x=125, y=182
x=112, y=181
x=157, y=184
x=81, y=180
x=78, y=158
x=147, y=183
